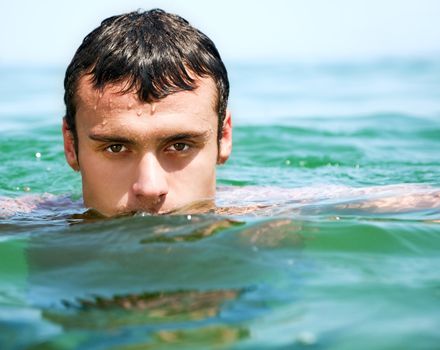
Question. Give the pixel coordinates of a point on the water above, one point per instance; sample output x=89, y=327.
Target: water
x=341, y=161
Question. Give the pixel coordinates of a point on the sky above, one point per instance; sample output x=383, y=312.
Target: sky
x=49, y=31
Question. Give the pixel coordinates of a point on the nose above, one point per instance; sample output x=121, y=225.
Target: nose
x=150, y=186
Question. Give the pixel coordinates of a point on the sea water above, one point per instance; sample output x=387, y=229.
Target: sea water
x=341, y=161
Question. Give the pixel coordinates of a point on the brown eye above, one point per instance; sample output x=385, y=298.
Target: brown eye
x=115, y=148
x=180, y=146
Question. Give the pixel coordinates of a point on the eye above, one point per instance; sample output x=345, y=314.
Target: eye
x=116, y=148
x=179, y=147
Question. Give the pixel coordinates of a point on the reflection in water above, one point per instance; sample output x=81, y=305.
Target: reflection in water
x=275, y=232
x=220, y=335
x=170, y=235
x=145, y=308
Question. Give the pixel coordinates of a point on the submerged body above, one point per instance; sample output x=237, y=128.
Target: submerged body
x=270, y=267
x=269, y=201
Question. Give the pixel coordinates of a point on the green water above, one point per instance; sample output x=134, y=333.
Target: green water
x=320, y=265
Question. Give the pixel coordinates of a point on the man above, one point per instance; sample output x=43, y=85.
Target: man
x=147, y=122
x=146, y=114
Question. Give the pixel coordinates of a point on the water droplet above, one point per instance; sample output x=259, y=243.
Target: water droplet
x=290, y=262
x=357, y=166
x=255, y=249
x=26, y=188
x=38, y=155
x=306, y=338
x=287, y=162
x=139, y=113
x=302, y=163
x=153, y=108
x=188, y=217
x=130, y=105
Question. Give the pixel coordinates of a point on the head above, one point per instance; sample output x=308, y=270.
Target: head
x=146, y=114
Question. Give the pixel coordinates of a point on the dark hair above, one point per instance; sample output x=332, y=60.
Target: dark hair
x=155, y=52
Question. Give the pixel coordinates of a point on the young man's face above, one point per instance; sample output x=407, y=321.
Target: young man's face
x=136, y=156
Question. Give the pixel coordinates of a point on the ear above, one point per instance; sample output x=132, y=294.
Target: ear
x=226, y=140
x=69, y=147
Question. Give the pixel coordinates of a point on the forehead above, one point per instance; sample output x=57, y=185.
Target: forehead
x=113, y=98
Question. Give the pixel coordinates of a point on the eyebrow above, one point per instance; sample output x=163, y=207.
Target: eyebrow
x=185, y=136
x=111, y=138
x=166, y=139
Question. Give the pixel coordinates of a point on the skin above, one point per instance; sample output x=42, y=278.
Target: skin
x=150, y=157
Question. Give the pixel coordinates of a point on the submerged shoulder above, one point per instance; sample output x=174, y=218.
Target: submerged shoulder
x=25, y=204
x=386, y=198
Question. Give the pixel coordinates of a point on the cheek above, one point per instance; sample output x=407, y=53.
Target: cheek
x=198, y=177
x=105, y=186
x=100, y=175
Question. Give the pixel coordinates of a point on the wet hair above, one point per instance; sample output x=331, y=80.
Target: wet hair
x=153, y=53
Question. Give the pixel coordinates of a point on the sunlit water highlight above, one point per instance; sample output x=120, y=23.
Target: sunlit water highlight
x=326, y=236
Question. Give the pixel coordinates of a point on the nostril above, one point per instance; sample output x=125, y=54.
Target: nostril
x=154, y=193
x=148, y=203
x=158, y=199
